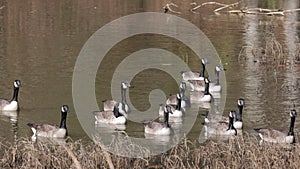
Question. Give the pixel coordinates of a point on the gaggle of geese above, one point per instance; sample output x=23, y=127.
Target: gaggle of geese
x=175, y=106
x=116, y=112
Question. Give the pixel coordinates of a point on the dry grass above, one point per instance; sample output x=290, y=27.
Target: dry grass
x=237, y=153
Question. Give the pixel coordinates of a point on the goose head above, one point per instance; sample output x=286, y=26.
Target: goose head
x=126, y=85
x=179, y=98
x=232, y=115
x=202, y=70
x=183, y=86
x=204, y=61
x=17, y=83
x=166, y=115
x=293, y=113
x=241, y=102
x=206, y=80
x=219, y=68
x=206, y=86
x=65, y=108
x=64, y=111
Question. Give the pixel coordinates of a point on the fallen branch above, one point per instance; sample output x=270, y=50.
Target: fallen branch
x=252, y=11
x=227, y=6
x=167, y=8
x=291, y=10
x=259, y=11
x=207, y=3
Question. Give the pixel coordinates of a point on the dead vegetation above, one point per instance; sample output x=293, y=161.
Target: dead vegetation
x=241, y=152
x=233, y=8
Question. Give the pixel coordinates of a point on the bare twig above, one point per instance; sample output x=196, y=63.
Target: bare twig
x=291, y=10
x=208, y=3
x=227, y=6
x=253, y=11
x=167, y=8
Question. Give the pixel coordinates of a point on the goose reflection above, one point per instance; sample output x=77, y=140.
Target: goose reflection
x=108, y=128
x=158, y=139
x=47, y=140
x=12, y=118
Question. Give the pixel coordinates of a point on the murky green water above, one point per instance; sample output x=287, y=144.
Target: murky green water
x=40, y=42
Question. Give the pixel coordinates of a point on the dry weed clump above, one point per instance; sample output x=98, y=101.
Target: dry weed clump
x=240, y=152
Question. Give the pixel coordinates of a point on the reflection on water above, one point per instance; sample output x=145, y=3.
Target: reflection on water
x=12, y=118
x=40, y=41
x=103, y=127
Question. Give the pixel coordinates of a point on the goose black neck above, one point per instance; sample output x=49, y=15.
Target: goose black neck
x=63, y=120
x=202, y=70
x=239, y=116
x=123, y=95
x=230, y=125
x=166, y=119
x=15, y=95
x=206, y=89
x=291, y=131
x=116, y=112
x=217, y=78
x=178, y=106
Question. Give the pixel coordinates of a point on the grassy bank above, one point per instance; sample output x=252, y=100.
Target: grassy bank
x=237, y=153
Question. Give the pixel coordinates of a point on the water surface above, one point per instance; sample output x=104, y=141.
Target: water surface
x=40, y=42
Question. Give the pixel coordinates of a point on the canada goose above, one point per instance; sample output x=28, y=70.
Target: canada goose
x=275, y=136
x=184, y=100
x=48, y=130
x=190, y=75
x=12, y=105
x=123, y=107
x=222, y=128
x=197, y=85
x=110, y=117
x=202, y=96
x=237, y=123
x=156, y=128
